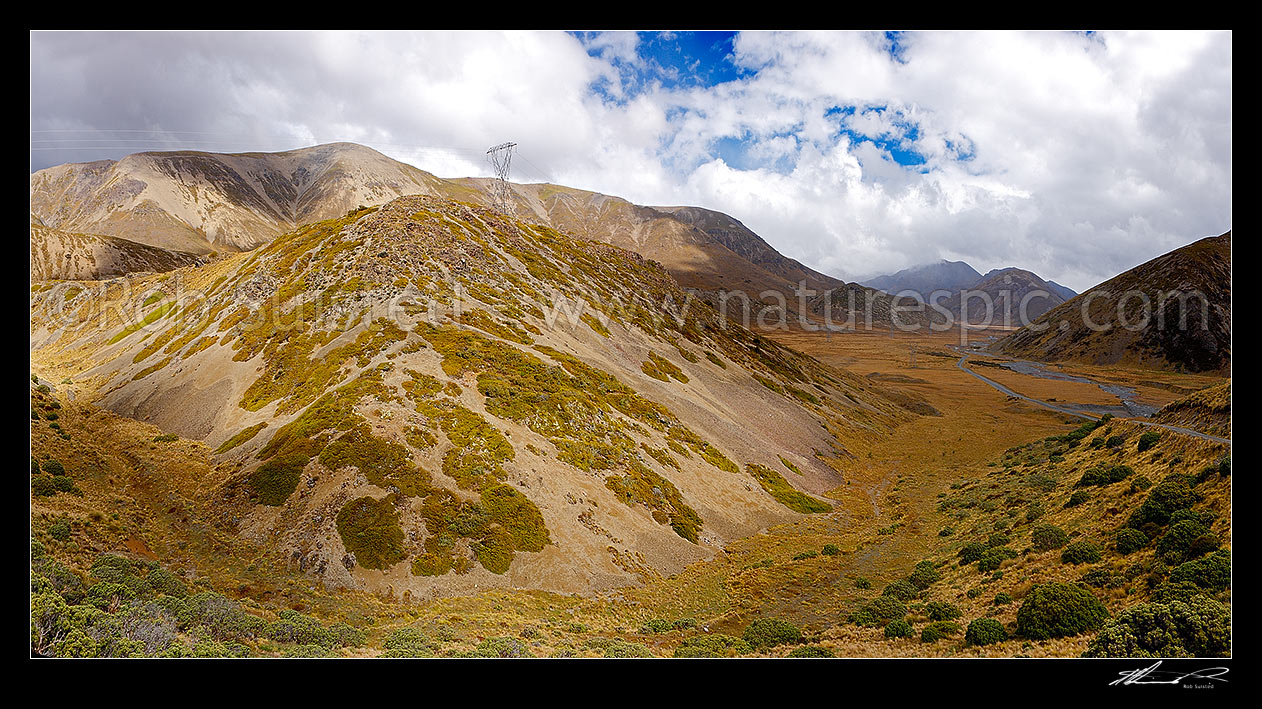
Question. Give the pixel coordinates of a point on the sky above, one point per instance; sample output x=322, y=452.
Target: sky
x=1076, y=155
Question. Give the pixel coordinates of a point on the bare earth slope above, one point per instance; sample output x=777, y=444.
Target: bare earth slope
x=1132, y=318
x=430, y=398
x=201, y=202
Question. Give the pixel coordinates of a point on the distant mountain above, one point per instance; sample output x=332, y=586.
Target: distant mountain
x=198, y=202
x=1063, y=291
x=1107, y=324
x=1008, y=291
x=202, y=202
x=943, y=275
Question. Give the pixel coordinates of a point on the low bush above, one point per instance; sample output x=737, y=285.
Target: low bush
x=1131, y=540
x=941, y=610
x=879, y=612
x=985, y=631
x=1197, y=627
x=1057, y=610
x=811, y=651
x=898, y=629
x=938, y=630
x=1047, y=537
x=769, y=632
x=1081, y=552
x=1212, y=572
x=994, y=558
x=714, y=645
x=1148, y=440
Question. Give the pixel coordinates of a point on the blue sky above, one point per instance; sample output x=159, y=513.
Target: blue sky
x=1075, y=155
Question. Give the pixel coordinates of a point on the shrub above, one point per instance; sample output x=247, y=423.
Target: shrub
x=370, y=530
x=972, y=552
x=1103, y=578
x=1141, y=483
x=938, y=630
x=811, y=651
x=994, y=558
x=924, y=575
x=863, y=583
x=1165, y=498
x=1081, y=552
x=1197, y=627
x=53, y=467
x=830, y=550
x=899, y=628
x=879, y=612
x=1034, y=510
x=997, y=539
x=1212, y=572
x=1130, y=540
x=714, y=645
x=1047, y=537
x=941, y=610
x=1185, y=540
x=1078, y=498
x=1002, y=599
x=1148, y=440
x=42, y=486
x=1178, y=591
x=769, y=632
x=902, y=589
x=985, y=631
x=1057, y=610
x=974, y=593
x=60, y=530
x=1105, y=475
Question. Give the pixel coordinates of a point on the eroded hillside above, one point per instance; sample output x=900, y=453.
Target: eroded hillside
x=432, y=398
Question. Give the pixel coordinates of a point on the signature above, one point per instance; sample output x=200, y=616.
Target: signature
x=1152, y=675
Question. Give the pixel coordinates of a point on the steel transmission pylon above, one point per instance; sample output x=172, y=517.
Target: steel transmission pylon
x=501, y=158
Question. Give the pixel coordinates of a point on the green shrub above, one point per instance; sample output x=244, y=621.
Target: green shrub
x=1047, y=537
x=1057, y=610
x=1185, y=540
x=60, y=530
x=1081, y=552
x=1002, y=599
x=1148, y=440
x=769, y=632
x=899, y=628
x=985, y=631
x=972, y=552
x=1178, y=591
x=1164, y=499
x=53, y=467
x=924, y=575
x=1078, y=498
x=994, y=558
x=714, y=645
x=997, y=539
x=938, y=630
x=941, y=610
x=862, y=583
x=811, y=651
x=1130, y=540
x=370, y=530
x=1105, y=475
x=879, y=612
x=43, y=486
x=902, y=589
x=830, y=550
x=1198, y=627
x=1034, y=511
x=974, y=593
x=1212, y=572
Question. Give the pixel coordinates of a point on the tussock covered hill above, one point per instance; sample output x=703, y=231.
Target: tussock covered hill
x=430, y=398
x=1201, y=271
x=57, y=255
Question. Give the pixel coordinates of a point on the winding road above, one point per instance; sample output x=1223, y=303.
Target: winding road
x=1081, y=414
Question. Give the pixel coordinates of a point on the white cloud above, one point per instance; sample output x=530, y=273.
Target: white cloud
x=1087, y=154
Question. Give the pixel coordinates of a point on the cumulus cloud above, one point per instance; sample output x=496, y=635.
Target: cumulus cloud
x=1073, y=155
